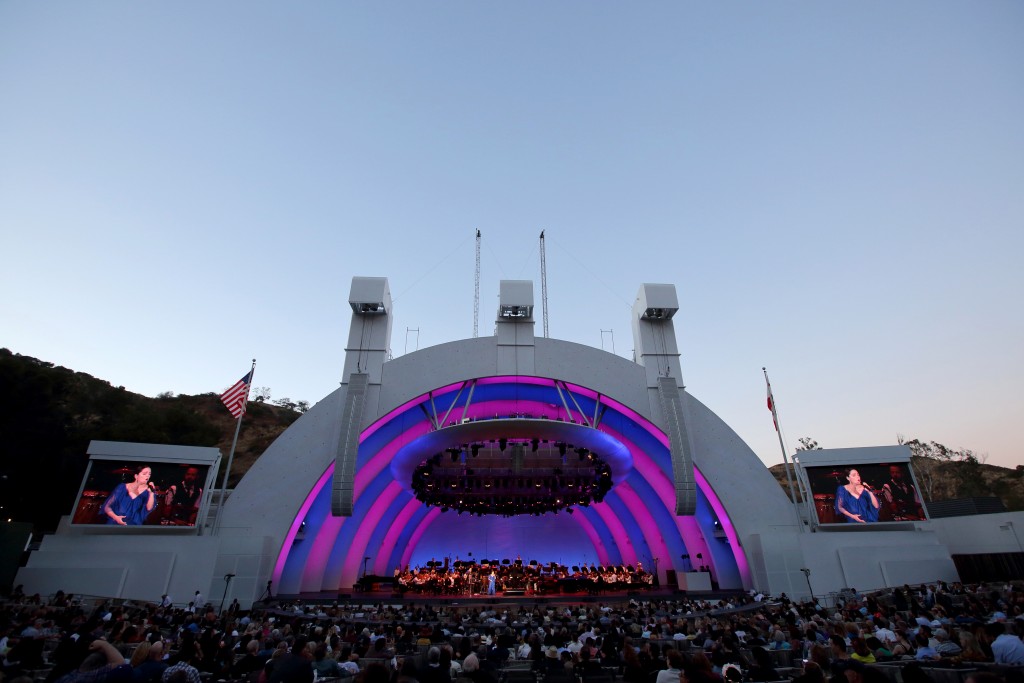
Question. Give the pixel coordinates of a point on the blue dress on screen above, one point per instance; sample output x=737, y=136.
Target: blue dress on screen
x=858, y=506
x=133, y=509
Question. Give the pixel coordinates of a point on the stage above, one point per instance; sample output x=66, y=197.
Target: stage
x=391, y=598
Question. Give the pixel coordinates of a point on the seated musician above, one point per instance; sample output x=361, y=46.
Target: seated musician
x=183, y=498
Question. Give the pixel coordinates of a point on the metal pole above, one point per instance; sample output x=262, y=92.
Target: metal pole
x=807, y=575
x=231, y=455
x=227, y=582
x=785, y=458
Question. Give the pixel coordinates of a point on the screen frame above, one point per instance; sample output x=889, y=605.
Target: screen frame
x=873, y=463
x=164, y=459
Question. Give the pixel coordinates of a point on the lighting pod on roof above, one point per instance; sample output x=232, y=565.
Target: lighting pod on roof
x=370, y=296
x=516, y=300
x=658, y=302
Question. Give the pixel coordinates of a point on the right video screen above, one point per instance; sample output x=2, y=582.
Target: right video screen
x=865, y=493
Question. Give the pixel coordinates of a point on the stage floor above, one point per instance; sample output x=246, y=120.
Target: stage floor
x=388, y=597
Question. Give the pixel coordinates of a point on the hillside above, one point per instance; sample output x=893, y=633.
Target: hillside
x=48, y=415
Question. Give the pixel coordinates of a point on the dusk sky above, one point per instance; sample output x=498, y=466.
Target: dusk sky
x=835, y=189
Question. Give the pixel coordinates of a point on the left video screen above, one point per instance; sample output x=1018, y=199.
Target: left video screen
x=122, y=493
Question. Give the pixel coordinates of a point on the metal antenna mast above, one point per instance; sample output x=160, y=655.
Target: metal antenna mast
x=544, y=284
x=476, y=291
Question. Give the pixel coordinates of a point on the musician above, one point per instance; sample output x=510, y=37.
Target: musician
x=901, y=496
x=183, y=498
x=491, y=581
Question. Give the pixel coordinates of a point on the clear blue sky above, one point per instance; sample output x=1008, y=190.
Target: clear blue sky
x=836, y=190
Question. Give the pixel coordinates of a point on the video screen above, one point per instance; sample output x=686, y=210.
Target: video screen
x=135, y=493
x=865, y=493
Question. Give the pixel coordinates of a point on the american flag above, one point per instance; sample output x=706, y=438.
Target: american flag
x=235, y=397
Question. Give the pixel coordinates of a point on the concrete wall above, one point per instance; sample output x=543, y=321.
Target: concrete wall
x=867, y=560
x=145, y=567
x=1001, y=532
x=267, y=499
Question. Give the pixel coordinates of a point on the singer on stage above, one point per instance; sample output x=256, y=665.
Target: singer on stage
x=855, y=501
x=129, y=504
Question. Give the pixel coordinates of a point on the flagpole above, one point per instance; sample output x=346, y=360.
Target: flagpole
x=231, y=455
x=782, y=446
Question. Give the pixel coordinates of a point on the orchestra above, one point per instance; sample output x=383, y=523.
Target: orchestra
x=518, y=578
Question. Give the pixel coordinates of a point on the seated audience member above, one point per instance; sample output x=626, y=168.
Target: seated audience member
x=878, y=649
x=861, y=652
x=407, y=672
x=184, y=669
x=250, y=661
x=925, y=652
x=471, y=669
x=731, y=673
x=693, y=672
x=324, y=666
x=632, y=669
x=944, y=646
x=376, y=672
x=763, y=669
x=1007, y=648
x=813, y=673
x=104, y=664
x=903, y=646
x=433, y=672
x=859, y=672
x=588, y=666
x=837, y=646
x=970, y=650
x=148, y=662
x=912, y=672
x=292, y=667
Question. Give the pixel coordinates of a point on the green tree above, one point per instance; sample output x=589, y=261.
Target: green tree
x=944, y=472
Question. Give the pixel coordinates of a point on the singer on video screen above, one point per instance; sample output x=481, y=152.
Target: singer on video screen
x=129, y=504
x=855, y=500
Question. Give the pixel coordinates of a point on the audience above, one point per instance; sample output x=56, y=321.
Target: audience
x=752, y=638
